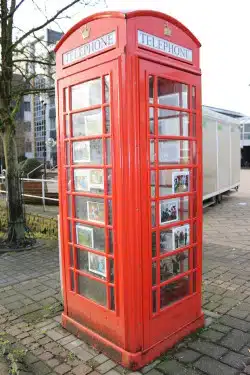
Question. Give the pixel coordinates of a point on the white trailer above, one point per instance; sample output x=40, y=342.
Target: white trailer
x=221, y=155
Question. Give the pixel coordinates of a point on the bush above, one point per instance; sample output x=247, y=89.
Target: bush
x=26, y=166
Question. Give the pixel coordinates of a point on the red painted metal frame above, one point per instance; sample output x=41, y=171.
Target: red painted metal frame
x=132, y=334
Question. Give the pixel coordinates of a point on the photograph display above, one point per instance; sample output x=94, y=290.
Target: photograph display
x=169, y=211
x=96, y=212
x=97, y=264
x=81, y=152
x=84, y=236
x=180, y=182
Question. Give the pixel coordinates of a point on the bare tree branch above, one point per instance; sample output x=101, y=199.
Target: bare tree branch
x=14, y=9
x=47, y=22
x=35, y=61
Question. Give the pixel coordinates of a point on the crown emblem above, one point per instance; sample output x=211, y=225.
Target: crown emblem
x=85, y=32
x=167, y=30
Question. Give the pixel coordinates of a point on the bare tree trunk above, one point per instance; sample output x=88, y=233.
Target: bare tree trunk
x=16, y=219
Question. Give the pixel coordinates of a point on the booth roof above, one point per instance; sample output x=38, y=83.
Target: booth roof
x=127, y=14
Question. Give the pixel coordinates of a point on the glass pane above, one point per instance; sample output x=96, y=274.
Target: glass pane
x=153, y=244
x=68, y=179
x=152, y=152
x=110, y=212
x=111, y=271
x=151, y=121
x=174, y=152
x=151, y=89
x=193, y=97
x=92, y=289
x=86, y=94
x=88, y=152
x=173, y=123
x=72, y=281
x=67, y=127
x=112, y=298
x=89, y=180
x=174, y=291
x=174, y=181
x=67, y=153
x=154, y=303
x=174, y=238
x=70, y=231
x=154, y=269
x=152, y=183
x=93, y=264
x=91, y=237
x=111, y=250
x=90, y=209
x=153, y=214
x=109, y=181
x=66, y=99
x=87, y=123
x=71, y=256
x=194, y=124
x=107, y=120
x=174, y=265
x=107, y=88
x=108, y=152
x=172, y=210
x=69, y=205
x=172, y=93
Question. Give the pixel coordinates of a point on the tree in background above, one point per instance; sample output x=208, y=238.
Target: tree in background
x=15, y=82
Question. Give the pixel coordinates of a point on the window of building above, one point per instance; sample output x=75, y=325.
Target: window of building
x=26, y=106
x=52, y=123
x=28, y=146
x=247, y=128
x=27, y=126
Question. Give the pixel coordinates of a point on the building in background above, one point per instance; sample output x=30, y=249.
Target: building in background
x=42, y=111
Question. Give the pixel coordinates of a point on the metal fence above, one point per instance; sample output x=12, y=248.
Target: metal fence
x=48, y=186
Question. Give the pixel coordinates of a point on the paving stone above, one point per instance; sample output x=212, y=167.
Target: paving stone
x=212, y=335
x=187, y=356
x=101, y=358
x=149, y=367
x=66, y=340
x=44, y=340
x=221, y=328
x=73, y=344
x=62, y=369
x=106, y=366
x=212, y=367
x=40, y=368
x=236, y=360
x=208, y=348
x=237, y=313
x=23, y=335
x=82, y=354
x=46, y=356
x=54, y=335
x=81, y=370
x=235, y=340
x=113, y=372
x=235, y=323
x=30, y=358
x=173, y=367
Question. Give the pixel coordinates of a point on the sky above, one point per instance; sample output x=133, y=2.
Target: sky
x=222, y=26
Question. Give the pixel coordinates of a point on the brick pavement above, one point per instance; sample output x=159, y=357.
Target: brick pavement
x=30, y=304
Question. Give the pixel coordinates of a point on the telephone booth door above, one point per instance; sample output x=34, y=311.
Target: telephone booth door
x=171, y=201
x=87, y=195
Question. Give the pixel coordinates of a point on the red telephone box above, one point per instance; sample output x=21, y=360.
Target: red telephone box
x=130, y=154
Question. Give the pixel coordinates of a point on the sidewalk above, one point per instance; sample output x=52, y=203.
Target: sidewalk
x=30, y=306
